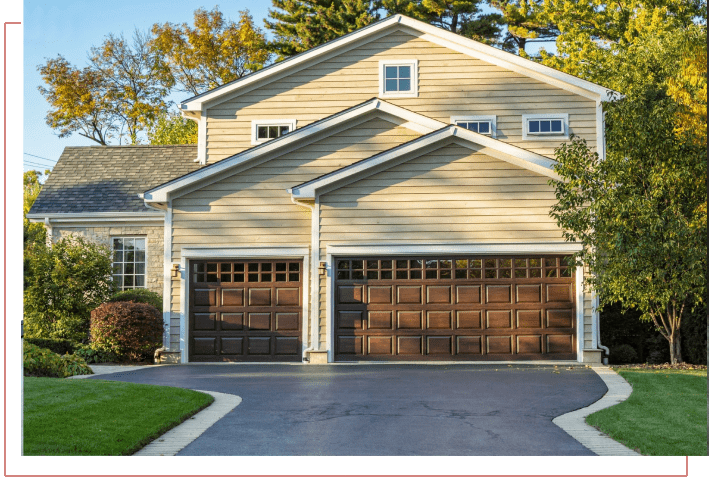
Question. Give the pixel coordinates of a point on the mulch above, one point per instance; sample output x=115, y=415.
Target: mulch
x=682, y=366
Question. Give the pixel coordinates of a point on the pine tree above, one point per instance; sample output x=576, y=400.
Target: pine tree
x=525, y=22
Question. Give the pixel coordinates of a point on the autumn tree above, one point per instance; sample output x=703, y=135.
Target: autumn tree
x=172, y=129
x=641, y=212
x=299, y=25
x=214, y=52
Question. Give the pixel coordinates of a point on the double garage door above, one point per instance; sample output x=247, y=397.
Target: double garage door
x=454, y=308
x=407, y=309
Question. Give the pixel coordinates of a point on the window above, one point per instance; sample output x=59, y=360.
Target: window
x=265, y=130
x=129, y=262
x=552, y=126
x=398, y=78
x=485, y=125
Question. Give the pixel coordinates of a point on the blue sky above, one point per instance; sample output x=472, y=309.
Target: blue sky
x=71, y=28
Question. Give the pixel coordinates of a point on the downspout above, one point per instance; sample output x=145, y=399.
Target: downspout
x=50, y=232
x=314, y=280
x=598, y=329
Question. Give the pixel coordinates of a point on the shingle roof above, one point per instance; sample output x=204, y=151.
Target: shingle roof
x=109, y=178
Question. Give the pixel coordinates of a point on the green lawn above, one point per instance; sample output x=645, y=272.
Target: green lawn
x=79, y=417
x=666, y=415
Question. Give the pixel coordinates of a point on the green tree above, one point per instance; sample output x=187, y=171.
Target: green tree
x=214, y=52
x=299, y=25
x=641, y=213
x=525, y=22
x=65, y=282
x=172, y=129
x=32, y=184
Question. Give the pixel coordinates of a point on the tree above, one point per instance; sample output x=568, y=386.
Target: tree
x=213, y=53
x=299, y=25
x=32, y=183
x=641, y=212
x=65, y=281
x=525, y=22
x=172, y=129
x=114, y=98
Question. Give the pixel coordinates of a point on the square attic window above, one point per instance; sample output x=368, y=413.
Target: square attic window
x=398, y=78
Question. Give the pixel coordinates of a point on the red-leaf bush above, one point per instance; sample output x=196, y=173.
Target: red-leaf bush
x=132, y=331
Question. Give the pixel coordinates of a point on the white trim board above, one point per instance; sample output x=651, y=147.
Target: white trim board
x=99, y=217
x=428, y=32
x=243, y=251
x=164, y=192
x=497, y=149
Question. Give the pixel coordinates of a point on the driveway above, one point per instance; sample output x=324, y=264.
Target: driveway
x=385, y=409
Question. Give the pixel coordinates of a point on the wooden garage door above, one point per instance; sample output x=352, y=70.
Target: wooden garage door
x=454, y=308
x=246, y=310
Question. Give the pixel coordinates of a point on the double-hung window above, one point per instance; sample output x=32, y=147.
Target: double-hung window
x=551, y=126
x=266, y=130
x=483, y=124
x=398, y=78
x=129, y=261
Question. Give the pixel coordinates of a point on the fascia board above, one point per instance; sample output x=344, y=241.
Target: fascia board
x=495, y=148
x=506, y=60
x=195, y=103
x=98, y=216
x=427, y=124
x=311, y=189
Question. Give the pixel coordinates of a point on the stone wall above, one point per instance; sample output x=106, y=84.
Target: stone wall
x=103, y=234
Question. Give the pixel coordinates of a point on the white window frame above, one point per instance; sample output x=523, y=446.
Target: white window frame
x=290, y=123
x=145, y=274
x=489, y=118
x=414, y=92
x=564, y=117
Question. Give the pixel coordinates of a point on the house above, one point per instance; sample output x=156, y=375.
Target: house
x=383, y=196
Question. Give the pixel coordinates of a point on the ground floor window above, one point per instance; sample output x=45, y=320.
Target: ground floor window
x=129, y=262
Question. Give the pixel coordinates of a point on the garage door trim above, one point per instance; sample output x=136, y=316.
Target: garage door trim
x=246, y=252
x=334, y=251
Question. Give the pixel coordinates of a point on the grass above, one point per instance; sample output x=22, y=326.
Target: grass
x=71, y=417
x=666, y=415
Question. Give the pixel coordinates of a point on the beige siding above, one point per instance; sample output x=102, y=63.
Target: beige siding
x=254, y=207
x=452, y=194
x=450, y=83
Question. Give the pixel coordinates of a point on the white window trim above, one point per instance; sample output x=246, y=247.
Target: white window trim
x=256, y=123
x=246, y=251
x=414, y=64
x=564, y=117
x=491, y=118
x=145, y=237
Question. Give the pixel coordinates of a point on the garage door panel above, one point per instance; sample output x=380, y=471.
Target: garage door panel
x=245, y=310
x=496, y=308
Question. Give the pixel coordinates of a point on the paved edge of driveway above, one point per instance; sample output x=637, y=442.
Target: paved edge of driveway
x=101, y=370
x=574, y=422
x=177, y=438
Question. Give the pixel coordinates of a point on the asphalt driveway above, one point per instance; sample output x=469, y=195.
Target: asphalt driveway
x=385, y=409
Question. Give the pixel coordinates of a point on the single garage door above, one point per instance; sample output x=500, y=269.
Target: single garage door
x=454, y=308
x=245, y=310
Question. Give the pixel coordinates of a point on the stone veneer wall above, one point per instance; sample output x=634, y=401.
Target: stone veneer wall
x=103, y=234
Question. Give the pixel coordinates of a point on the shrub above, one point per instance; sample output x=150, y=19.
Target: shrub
x=59, y=346
x=139, y=295
x=42, y=362
x=131, y=331
x=64, y=282
x=93, y=355
x=623, y=354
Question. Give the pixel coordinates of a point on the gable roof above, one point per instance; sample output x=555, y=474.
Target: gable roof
x=497, y=149
x=429, y=32
x=98, y=179
x=415, y=121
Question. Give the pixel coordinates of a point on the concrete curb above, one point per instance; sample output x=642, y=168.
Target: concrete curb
x=574, y=422
x=100, y=370
x=176, y=439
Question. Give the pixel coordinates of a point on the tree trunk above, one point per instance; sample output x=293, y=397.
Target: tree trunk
x=676, y=348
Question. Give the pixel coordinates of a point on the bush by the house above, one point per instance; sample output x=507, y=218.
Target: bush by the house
x=623, y=354
x=64, y=282
x=42, y=362
x=139, y=295
x=59, y=346
x=132, y=331
x=94, y=355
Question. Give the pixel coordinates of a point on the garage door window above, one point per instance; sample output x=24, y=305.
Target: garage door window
x=246, y=272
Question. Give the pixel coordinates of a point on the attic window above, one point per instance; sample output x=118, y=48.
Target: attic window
x=549, y=126
x=485, y=125
x=265, y=130
x=398, y=78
